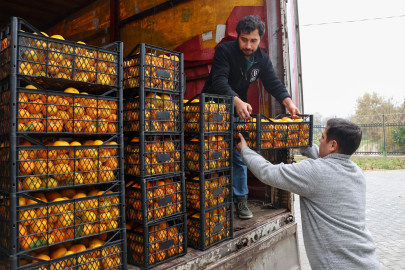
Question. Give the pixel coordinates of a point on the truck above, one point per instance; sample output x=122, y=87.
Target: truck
x=269, y=240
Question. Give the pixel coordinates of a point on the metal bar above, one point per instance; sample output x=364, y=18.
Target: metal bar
x=14, y=217
x=151, y=11
x=275, y=47
x=298, y=54
x=384, y=130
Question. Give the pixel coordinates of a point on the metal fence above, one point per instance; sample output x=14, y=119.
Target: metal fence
x=382, y=134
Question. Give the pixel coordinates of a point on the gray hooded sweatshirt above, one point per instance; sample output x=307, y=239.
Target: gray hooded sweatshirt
x=333, y=206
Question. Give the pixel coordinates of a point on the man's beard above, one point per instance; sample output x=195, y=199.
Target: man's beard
x=248, y=52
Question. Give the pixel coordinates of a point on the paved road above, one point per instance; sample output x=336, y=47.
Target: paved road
x=385, y=217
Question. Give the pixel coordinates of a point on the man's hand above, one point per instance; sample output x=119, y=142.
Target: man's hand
x=294, y=111
x=291, y=108
x=243, y=109
x=242, y=143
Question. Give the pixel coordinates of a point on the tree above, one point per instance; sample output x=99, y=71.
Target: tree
x=318, y=119
x=373, y=103
x=398, y=135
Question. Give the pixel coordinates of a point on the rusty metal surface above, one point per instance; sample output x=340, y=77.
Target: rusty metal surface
x=195, y=259
x=277, y=251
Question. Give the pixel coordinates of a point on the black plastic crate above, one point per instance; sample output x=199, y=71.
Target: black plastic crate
x=215, y=117
x=56, y=62
x=153, y=112
x=46, y=219
x=210, y=227
x=110, y=255
x=152, y=199
x=263, y=133
x=40, y=111
x=207, y=190
x=43, y=165
x=207, y=153
x=149, y=246
x=153, y=155
x=151, y=67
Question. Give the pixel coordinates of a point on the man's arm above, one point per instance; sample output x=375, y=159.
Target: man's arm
x=298, y=178
x=310, y=152
x=272, y=83
x=220, y=73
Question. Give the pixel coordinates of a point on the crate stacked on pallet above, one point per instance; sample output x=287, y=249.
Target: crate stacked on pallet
x=61, y=152
x=282, y=132
x=154, y=143
x=208, y=163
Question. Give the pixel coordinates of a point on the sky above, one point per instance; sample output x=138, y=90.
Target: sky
x=341, y=62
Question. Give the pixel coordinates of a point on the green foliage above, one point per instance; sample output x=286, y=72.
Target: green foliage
x=370, y=104
x=373, y=163
x=398, y=135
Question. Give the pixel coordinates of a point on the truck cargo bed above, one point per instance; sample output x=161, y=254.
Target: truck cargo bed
x=263, y=227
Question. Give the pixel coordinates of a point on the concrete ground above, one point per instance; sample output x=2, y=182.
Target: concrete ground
x=385, y=217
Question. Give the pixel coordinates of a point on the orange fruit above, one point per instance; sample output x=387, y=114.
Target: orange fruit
x=38, y=226
x=27, y=217
x=62, y=172
x=50, y=110
x=74, y=165
x=112, y=128
x=51, y=196
x=90, y=129
x=81, y=77
x=22, y=229
x=62, y=159
x=89, y=229
x=32, y=183
x=53, y=67
x=74, y=127
x=26, y=69
x=58, y=253
x=71, y=90
x=77, y=248
x=86, y=121
x=76, y=111
x=86, y=164
x=61, y=143
x=62, y=104
x=90, y=177
x=54, y=124
x=36, y=126
x=43, y=167
x=21, y=201
x=70, y=192
x=26, y=167
x=24, y=116
x=22, y=100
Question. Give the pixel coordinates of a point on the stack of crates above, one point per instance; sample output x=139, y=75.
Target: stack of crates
x=61, y=152
x=154, y=146
x=208, y=163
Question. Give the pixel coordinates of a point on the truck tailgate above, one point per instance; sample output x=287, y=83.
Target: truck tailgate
x=268, y=241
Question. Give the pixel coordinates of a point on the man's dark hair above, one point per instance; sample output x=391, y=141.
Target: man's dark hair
x=345, y=133
x=249, y=24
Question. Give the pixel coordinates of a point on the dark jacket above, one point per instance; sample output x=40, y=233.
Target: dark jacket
x=228, y=75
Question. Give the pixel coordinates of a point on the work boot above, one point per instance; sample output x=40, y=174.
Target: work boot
x=242, y=209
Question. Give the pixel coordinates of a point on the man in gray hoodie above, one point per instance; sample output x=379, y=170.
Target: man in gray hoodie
x=332, y=193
